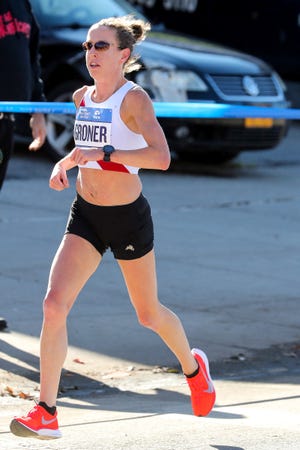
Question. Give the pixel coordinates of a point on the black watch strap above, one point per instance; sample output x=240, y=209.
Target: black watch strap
x=108, y=150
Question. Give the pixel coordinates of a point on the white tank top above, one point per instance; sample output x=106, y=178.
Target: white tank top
x=99, y=124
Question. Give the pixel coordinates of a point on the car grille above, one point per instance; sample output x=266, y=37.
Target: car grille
x=253, y=139
x=213, y=135
x=231, y=87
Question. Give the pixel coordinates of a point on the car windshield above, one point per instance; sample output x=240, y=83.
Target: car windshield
x=79, y=13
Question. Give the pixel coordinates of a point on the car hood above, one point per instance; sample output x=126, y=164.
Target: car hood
x=177, y=50
x=195, y=54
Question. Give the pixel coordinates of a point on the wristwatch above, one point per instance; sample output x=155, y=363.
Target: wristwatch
x=108, y=150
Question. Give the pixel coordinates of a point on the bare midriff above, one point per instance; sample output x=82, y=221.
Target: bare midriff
x=108, y=188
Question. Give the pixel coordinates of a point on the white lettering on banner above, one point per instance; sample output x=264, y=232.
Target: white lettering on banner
x=147, y=3
x=93, y=134
x=181, y=5
x=189, y=6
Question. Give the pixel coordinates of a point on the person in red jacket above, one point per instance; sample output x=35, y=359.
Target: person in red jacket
x=19, y=75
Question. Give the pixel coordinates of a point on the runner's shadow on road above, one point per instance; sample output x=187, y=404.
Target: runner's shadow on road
x=28, y=369
x=98, y=395
x=227, y=447
x=18, y=368
x=158, y=402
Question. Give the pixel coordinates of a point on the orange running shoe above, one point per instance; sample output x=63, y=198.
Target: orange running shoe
x=38, y=424
x=203, y=394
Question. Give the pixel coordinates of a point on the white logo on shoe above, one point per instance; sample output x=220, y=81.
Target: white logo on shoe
x=210, y=389
x=47, y=422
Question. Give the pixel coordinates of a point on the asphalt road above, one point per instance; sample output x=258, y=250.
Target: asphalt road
x=227, y=245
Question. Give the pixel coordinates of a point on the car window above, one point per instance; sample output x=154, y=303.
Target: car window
x=81, y=13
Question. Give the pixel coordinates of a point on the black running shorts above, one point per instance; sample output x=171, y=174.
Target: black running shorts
x=126, y=229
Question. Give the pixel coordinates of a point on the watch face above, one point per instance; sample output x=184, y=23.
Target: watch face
x=108, y=149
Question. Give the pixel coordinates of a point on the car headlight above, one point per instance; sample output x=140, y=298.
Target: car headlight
x=170, y=85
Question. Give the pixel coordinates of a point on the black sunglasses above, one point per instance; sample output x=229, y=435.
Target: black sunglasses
x=99, y=46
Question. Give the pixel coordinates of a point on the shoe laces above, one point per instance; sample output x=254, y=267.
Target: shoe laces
x=34, y=411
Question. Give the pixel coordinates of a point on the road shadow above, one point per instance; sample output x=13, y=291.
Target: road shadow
x=98, y=395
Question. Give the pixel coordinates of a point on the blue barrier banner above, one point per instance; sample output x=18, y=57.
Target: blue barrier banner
x=166, y=109
x=37, y=107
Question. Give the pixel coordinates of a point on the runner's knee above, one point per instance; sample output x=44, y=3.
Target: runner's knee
x=54, y=308
x=149, y=319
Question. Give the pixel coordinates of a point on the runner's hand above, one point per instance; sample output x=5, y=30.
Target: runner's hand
x=58, y=179
x=81, y=156
x=38, y=126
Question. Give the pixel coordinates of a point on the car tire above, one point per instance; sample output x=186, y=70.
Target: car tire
x=60, y=126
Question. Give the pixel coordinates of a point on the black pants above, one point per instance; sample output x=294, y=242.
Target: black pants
x=6, y=143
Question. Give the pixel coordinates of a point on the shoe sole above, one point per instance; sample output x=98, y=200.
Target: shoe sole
x=21, y=430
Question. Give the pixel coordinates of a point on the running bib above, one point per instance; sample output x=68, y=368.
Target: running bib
x=93, y=127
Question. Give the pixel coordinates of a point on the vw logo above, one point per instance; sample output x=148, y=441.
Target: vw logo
x=250, y=85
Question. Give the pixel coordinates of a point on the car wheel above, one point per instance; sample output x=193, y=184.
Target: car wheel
x=60, y=126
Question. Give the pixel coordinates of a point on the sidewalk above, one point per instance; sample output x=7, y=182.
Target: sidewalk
x=149, y=409
x=120, y=389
